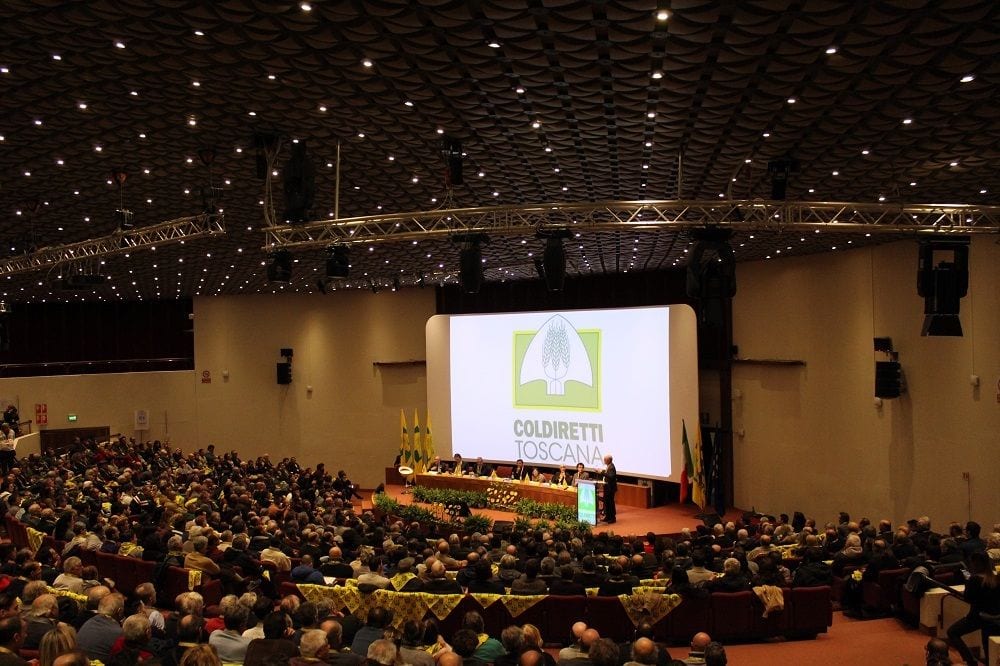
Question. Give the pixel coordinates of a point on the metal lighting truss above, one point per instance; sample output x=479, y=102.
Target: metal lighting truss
x=747, y=215
x=164, y=233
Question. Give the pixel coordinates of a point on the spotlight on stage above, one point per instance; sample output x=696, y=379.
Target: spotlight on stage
x=280, y=268
x=942, y=281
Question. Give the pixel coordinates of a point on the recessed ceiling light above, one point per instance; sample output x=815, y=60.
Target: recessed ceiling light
x=907, y=121
x=651, y=114
x=766, y=134
x=913, y=183
x=954, y=164
x=306, y=7
x=481, y=174
x=271, y=77
x=657, y=74
x=196, y=84
x=134, y=93
x=494, y=44
x=982, y=191
x=4, y=70
x=408, y=103
x=119, y=44
x=864, y=152
x=60, y=162
x=968, y=78
x=56, y=56
x=835, y=173
x=27, y=174
x=251, y=113
x=536, y=125
x=830, y=50
x=199, y=33
x=81, y=105
x=392, y=158
x=38, y=122
x=791, y=100
x=98, y=148
x=662, y=15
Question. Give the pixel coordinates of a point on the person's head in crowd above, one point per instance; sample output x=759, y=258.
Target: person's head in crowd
x=715, y=654
x=314, y=644
x=936, y=652
x=588, y=638
x=306, y=616
x=113, y=606
x=379, y=617
x=531, y=637
x=512, y=639
x=56, y=641
x=382, y=652
x=464, y=643
x=10, y=605
x=531, y=658
x=474, y=621
x=46, y=605
x=11, y=632
x=449, y=658
x=200, y=655
x=190, y=629
x=137, y=630
x=644, y=651
x=33, y=589
x=276, y=625
x=604, y=652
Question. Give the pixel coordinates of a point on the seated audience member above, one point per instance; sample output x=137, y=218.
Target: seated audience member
x=604, y=652
x=70, y=578
x=575, y=650
x=529, y=582
x=378, y=619
x=100, y=632
x=564, y=584
x=643, y=652
x=438, y=583
x=276, y=556
x=699, y=642
x=733, y=579
x=588, y=638
x=382, y=652
x=275, y=643
x=11, y=638
x=58, y=641
x=982, y=593
x=512, y=640
x=339, y=655
x=881, y=559
x=852, y=555
x=715, y=654
x=812, y=570
x=531, y=640
x=615, y=584
x=136, y=644
x=488, y=649
x=229, y=641
x=41, y=617
x=313, y=648
x=335, y=566
x=198, y=560
x=937, y=653
x=645, y=630
x=305, y=573
x=200, y=655
x=410, y=649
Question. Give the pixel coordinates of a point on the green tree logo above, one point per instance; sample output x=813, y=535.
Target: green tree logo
x=557, y=367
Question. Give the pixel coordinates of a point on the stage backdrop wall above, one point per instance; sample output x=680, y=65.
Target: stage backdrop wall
x=350, y=418
x=813, y=439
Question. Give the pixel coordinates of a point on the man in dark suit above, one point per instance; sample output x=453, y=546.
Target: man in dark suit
x=479, y=468
x=610, y=488
x=565, y=583
x=519, y=472
x=276, y=641
x=437, y=583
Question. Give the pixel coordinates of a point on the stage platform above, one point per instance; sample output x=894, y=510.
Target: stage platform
x=668, y=519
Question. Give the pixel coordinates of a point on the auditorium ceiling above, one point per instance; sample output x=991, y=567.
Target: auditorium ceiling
x=552, y=100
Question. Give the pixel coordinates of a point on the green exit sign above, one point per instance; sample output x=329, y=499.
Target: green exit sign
x=71, y=417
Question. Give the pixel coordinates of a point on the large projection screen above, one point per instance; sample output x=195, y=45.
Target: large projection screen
x=561, y=387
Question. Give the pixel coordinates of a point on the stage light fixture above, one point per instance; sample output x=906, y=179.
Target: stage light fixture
x=280, y=267
x=942, y=281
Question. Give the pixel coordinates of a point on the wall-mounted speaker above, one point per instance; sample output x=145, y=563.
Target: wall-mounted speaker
x=888, y=379
x=284, y=373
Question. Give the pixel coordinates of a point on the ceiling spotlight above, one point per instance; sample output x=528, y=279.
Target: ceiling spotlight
x=791, y=100
x=367, y=62
x=199, y=33
x=280, y=268
x=662, y=15
x=494, y=44
x=907, y=121
x=968, y=78
x=657, y=74
x=119, y=44
x=306, y=7
x=830, y=50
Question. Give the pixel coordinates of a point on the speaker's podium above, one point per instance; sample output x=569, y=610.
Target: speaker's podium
x=586, y=500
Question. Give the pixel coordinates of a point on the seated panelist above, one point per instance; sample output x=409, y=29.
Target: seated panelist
x=479, y=468
x=561, y=478
x=581, y=474
x=457, y=467
x=519, y=472
x=437, y=466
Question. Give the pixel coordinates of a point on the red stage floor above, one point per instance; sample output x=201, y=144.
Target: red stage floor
x=659, y=520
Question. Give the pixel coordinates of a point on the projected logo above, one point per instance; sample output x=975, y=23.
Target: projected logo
x=557, y=367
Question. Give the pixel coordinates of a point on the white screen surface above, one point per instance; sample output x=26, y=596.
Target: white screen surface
x=564, y=387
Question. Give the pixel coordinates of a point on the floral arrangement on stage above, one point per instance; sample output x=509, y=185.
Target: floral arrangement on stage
x=500, y=495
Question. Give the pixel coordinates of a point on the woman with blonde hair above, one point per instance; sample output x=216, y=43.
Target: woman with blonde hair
x=58, y=641
x=201, y=655
x=531, y=639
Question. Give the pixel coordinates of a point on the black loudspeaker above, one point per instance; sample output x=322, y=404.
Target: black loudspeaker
x=554, y=264
x=780, y=170
x=452, y=149
x=471, y=269
x=286, y=352
x=888, y=379
x=284, y=373
x=942, y=281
